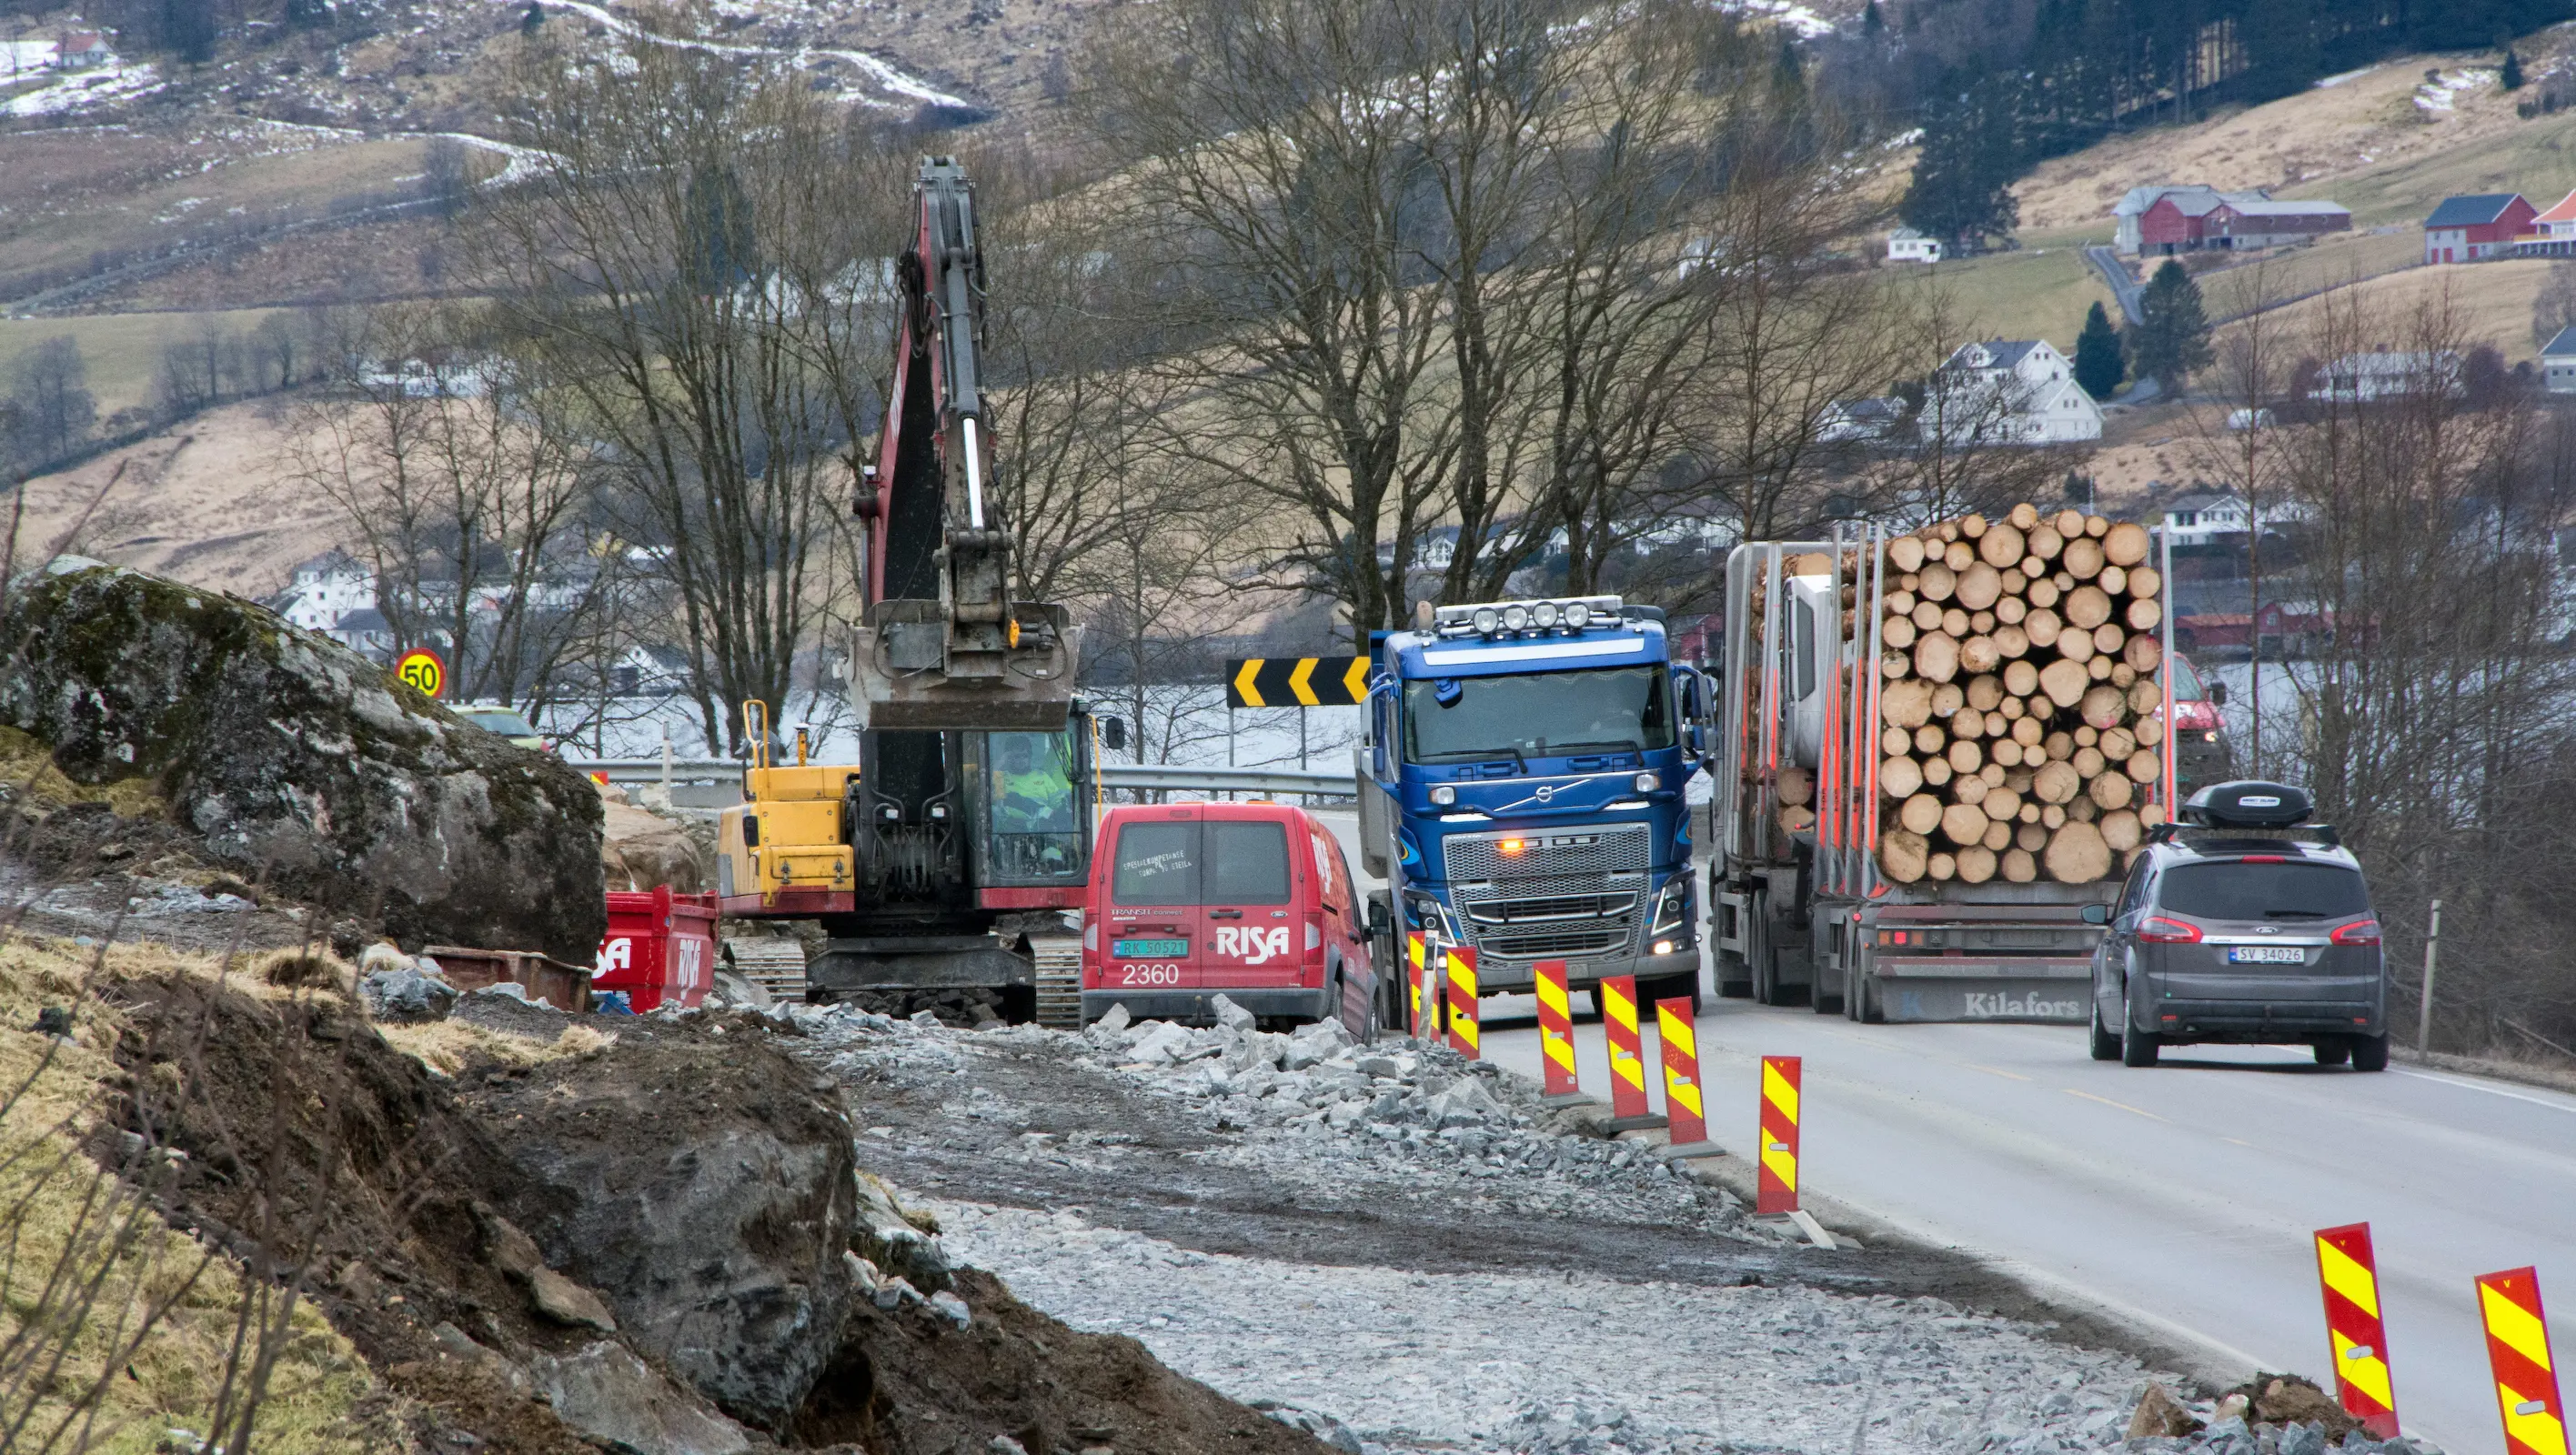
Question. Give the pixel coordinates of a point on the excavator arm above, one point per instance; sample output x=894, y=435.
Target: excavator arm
x=942, y=644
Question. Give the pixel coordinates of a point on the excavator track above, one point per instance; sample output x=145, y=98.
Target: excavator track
x=1059, y=962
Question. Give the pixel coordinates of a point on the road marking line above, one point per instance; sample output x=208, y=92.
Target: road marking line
x=1992, y=1071
x=2489, y=1090
x=2122, y=1105
x=2240, y=1141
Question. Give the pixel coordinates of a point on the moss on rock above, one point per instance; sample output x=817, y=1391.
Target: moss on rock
x=304, y=765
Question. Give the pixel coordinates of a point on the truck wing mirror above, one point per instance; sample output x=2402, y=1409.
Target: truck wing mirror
x=1377, y=918
x=2218, y=694
x=1113, y=734
x=2097, y=914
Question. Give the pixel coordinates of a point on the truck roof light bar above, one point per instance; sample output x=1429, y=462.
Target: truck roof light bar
x=1562, y=613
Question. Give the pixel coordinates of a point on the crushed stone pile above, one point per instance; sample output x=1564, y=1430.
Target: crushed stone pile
x=1408, y=1122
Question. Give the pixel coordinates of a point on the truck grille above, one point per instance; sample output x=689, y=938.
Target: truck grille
x=1587, y=940
x=1623, y=849
x=1558, y=907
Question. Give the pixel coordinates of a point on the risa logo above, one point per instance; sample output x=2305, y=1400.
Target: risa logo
x=1252, y=943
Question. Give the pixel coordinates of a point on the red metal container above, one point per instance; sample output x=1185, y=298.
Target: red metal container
x=660, y=948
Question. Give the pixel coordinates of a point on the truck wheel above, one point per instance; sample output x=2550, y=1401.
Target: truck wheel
x=2106, y=1046
x=2333, y=1052
x=2370, y=1053
x=2137, y=1047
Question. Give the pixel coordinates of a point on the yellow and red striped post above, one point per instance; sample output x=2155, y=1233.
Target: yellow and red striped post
x=1628, y=1109
x=1778, y=1190
x=1682, y=1104
x=1556, y=1032
x=1423, y=1009
x=2526, y=1380
x=1461, y=975
x=2349, y=1274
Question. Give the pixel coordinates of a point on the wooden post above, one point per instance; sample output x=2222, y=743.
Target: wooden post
x=2424, y=1011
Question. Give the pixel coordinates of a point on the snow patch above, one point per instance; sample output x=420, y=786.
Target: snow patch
x=2440, y=94
x=85, y=91
x=2339, y=79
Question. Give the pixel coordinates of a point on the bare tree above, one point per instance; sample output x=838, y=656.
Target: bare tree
x=697, y=265
x=472, y=501
x=49, y=385
x=2248, y=379
x=1965, y=445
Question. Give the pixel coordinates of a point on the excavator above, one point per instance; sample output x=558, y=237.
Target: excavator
x=940, y=864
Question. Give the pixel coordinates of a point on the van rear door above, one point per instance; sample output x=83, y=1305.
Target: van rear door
x=1151, y=938
x=1251, y=933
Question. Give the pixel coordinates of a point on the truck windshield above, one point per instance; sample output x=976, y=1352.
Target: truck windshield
x=2263, y=891
x=1535, y=714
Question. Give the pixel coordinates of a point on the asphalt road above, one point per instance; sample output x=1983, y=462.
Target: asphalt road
x=2181, y=1199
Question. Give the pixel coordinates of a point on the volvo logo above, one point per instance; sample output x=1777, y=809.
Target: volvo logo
x=1544, y=792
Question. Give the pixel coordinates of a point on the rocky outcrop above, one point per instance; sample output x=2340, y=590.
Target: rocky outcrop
x=304, y=766
x=705, y=1187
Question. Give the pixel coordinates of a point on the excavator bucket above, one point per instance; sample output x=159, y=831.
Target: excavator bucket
x=911, y=667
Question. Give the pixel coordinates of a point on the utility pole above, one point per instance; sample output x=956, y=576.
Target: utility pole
x=2424, y=1011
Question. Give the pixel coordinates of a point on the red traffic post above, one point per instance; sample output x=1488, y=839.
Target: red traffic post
x=1556, y=1034
x=2348, y=1274
x=1460, y=964
x=1682, y=1103
x=1778, y=1189
x=2526, y=1378
x=1628, y=1108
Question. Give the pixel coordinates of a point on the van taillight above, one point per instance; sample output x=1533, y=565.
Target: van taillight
x=2359, y=932
x=2159, y=930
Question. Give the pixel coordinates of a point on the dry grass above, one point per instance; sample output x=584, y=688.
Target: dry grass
x=208, y=503
x=448, y=1047
x=2492, y=301
x=138, y=1389
x=27, y=767
x=2362, y=142
x=2041, y=290
x=121, y=352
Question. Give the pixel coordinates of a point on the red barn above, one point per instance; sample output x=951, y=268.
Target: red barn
x=2483, y=225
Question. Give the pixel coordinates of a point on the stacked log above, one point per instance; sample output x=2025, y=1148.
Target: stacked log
x=2017, y=728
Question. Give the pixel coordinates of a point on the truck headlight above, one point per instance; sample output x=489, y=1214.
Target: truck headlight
x=1443, y=794
x=1515, y=617
x=1544, y=615
x=1672, y=906
x=1648, y=782
x=1577, y=615
x=1487, y=619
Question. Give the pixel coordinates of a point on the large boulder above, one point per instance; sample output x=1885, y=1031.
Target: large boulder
x=705, y=1185
x=305, y=766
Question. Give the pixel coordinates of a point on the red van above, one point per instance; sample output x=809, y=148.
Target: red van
x=1250, y=900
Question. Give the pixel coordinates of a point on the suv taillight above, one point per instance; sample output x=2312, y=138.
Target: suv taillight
x=2359, y=932
x=2159, y=930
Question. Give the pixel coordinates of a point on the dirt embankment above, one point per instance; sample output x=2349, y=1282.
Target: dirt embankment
x=552, y=1234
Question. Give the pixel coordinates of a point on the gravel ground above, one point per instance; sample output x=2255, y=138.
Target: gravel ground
x=1404, y=1251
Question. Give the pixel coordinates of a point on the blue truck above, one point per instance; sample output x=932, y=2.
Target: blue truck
x=1521, y=792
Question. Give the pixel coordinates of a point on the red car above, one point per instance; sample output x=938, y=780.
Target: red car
x=1253, y=901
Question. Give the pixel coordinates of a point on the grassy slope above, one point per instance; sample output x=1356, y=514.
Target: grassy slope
x=2362, y=142
x=120, y=350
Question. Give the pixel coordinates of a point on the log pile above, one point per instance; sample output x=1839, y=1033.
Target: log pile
x=2017, y=727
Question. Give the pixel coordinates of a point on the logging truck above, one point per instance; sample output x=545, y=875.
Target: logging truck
x=1934, y=748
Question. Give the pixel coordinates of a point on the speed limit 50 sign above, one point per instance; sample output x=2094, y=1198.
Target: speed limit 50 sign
x=422, y=668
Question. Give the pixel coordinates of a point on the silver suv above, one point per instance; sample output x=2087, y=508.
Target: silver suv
x=2241, y=925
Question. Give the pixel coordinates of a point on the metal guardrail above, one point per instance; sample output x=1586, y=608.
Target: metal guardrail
x=717, y=782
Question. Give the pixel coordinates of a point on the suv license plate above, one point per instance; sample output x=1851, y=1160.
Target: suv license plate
x=1147, y=949
x=2267, y=955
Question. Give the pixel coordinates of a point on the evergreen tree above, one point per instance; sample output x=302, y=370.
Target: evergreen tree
x=1788, y=76
x=2098, y=366
x=2511, y=77
x=2281, y=48
x=188, y=29
x=534, y=20
x=1873, y=24
x=1962, y=187
x=2173, y=339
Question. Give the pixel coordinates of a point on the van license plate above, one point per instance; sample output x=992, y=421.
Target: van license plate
x=2267, y=955
x=1147, y=949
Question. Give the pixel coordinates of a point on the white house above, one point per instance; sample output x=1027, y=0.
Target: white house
x=1859, y=419
x=82, y=50
x=1905, y=245
x=2390, y=374
x=324, y=589
x=2009, y=391
x=2558, y=363
x=2204, y=517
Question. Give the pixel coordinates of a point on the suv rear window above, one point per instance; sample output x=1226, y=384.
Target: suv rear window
x=1192, y=863
x=2237, y=890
